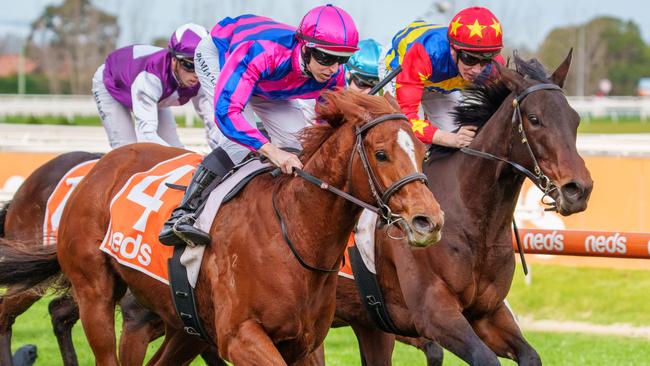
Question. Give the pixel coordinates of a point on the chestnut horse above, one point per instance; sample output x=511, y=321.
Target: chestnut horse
x=453, y=293
x=22, y=220
x=261, y=305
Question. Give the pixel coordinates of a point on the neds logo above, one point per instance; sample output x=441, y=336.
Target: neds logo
x=130, y=248
x=615, y=244
x=537, y=241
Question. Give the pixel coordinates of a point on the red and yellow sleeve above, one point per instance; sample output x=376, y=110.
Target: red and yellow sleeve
x=416, y=68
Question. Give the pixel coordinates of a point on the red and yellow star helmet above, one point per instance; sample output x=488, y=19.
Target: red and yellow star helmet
x=475, y=29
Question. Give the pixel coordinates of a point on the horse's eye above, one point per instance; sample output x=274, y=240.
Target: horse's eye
x=533, y=120
x=381, y=155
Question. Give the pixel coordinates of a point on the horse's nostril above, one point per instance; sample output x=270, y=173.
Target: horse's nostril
x=423, y=224
x=572, y=191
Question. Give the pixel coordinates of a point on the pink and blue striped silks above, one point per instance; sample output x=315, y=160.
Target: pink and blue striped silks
x=258, y=57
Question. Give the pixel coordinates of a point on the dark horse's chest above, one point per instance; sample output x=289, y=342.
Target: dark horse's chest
x=491, y=276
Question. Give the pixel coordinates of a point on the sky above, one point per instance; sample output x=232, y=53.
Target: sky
x=525, y=22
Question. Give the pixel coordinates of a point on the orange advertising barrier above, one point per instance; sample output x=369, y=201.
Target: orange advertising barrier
x=585, y=243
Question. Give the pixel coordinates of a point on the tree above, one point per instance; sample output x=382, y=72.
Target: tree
x=613, y=49
x=70, y=41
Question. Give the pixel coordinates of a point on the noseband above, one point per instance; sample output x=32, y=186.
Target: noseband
x=541, y=180
x=382, y=197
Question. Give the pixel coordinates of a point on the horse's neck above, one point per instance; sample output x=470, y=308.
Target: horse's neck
x=326, y=219
x=487, y=188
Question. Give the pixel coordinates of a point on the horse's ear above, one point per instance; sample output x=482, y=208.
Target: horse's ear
x=392, y=101
x=513, y=80
x=559, y=75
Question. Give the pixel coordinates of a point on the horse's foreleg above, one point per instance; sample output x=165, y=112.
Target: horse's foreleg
x=179, y=348
x=211, y=357
x=64, y=313
x=501, y=333
x=316, y=358
x=375, y=346
x=442, y=321
x=10, y=307
x=432, y=350
x=140, y=326
x=252, y=346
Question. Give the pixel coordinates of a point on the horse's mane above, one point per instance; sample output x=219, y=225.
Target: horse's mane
x=339, y=108
x=481, y=100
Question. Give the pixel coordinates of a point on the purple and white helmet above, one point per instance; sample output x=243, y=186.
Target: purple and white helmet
x=185, y=39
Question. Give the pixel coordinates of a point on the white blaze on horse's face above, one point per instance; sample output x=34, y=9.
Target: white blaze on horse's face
x=406, y=143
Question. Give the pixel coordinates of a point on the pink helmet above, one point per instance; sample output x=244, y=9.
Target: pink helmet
x=183, y=42
x=329, y=29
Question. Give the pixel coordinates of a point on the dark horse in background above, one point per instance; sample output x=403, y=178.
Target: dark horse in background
x=453, y=293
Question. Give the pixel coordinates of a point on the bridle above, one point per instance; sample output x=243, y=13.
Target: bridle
x=537, y=176
x=381, y=197
x=541, y=180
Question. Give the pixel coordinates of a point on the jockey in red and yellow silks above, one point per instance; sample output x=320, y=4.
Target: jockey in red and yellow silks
x=437, y=63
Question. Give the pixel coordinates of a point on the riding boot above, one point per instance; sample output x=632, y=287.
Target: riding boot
x=179, y=229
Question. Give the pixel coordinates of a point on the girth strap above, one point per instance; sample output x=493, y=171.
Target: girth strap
x=370, y=293
x=183, y=295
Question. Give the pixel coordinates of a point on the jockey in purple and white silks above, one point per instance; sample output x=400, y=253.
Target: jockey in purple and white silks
x=253, y=64
x=145, y=81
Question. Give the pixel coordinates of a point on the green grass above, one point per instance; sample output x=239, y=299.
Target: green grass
x=602, y=296
x=555, y=349
x=596, y=295
x=607, y=125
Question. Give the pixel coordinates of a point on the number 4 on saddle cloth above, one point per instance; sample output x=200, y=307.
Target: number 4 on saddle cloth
x=140, y=208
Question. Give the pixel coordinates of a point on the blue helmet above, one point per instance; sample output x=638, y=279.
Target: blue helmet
x=363, y=63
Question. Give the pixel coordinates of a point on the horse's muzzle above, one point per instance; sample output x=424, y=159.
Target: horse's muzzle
x=423, y=230
x=574, y=196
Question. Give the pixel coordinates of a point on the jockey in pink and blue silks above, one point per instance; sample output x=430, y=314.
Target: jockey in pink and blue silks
x=145, y=81
x=253, y=64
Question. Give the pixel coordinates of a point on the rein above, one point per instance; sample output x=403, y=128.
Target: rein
x=382, y=198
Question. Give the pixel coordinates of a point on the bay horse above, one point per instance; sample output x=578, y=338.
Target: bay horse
x=261, y=306
x=22, y=219
x=453, y=293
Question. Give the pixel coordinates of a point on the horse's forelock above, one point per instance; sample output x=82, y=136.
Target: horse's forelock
x=339, y=108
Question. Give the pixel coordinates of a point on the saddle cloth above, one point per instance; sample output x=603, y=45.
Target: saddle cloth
x=364, y=239
x=139, y=210
x=59, y=197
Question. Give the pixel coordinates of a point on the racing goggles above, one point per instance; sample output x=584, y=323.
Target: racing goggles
x=363, y=82
x=327, y=59
x=186, y=64
x=473, y=59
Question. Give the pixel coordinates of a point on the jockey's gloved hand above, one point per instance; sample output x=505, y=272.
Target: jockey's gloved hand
x=286, y=161
x=461, y=138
